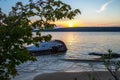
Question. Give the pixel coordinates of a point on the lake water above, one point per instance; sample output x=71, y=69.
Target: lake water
x=79, y=44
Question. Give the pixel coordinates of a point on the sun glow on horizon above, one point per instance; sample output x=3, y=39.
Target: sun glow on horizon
x=68, y=23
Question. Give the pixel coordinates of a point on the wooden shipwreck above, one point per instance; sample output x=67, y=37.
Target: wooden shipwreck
x=51, y=47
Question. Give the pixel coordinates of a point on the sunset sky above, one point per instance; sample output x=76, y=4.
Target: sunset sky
x=94, y=12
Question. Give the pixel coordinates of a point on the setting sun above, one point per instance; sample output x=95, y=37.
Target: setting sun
x=70, y=24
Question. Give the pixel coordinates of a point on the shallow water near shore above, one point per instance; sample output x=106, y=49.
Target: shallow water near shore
x=79, y=44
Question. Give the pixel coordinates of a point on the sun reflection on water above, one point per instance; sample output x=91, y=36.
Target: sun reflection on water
x=79, y=44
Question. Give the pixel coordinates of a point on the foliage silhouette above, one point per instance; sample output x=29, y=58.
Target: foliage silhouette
x=16, y=31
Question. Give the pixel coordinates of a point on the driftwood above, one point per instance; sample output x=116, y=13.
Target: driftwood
x=106, y=55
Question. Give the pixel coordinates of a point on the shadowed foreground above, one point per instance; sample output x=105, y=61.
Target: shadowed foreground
x=100, y=75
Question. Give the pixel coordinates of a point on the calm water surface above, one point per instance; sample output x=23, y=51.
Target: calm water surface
x=79, y=44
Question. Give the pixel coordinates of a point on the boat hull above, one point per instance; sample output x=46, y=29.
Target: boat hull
x=52, y=47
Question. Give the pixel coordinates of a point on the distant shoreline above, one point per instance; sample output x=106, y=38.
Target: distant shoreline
x=83, y=29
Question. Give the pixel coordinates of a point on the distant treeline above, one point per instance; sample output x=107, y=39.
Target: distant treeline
x=84, y=29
